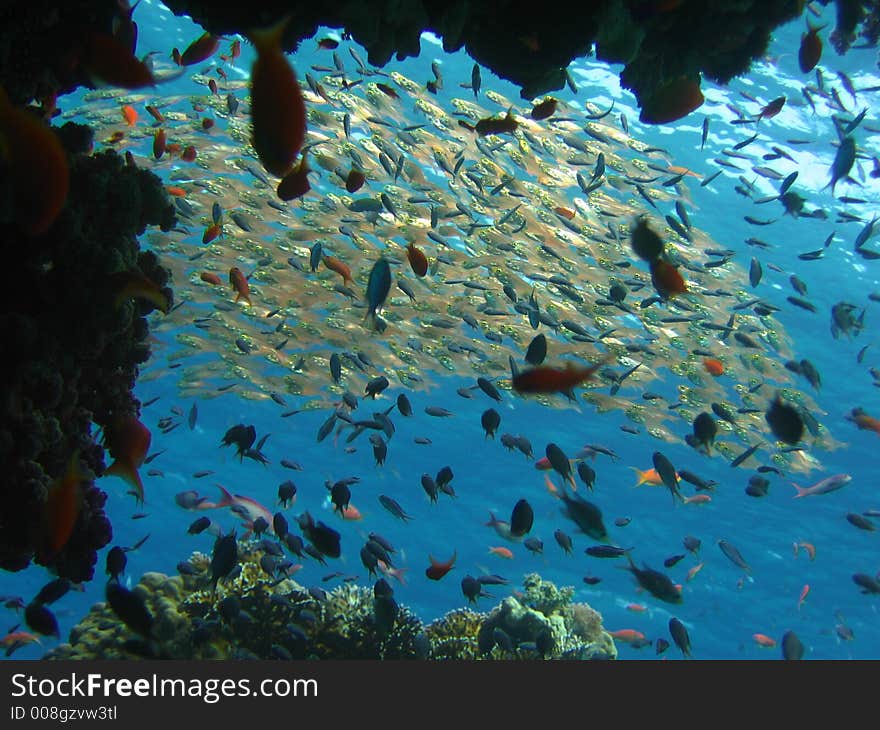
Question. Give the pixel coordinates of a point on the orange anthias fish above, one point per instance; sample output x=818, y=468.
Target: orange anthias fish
x=33, y=157
x=545, y=379
x=805, y=591
x=649, y=476
x=130, y=115
x=278, y=112
x=772, y=109
x=438, y=569
x=108, y=61
x=713, y=366
x=334, y=264
x=864, y=421
x=15, y=640
x=698, y=499
x=673, y=100
x=811, y=48
x=501, y=552
x=352, y=513
x=209, y=277
x=564, y=212
x=666, y=279
x=296, y=182
x=764, y=641
x=627, y=635
x=240, y=285
x=417, y=260
x=130, y=284
x=203, y=47
x=128, y=441
x=809, y=547
x=159, y=143
x=63, y=505
x=211, y=232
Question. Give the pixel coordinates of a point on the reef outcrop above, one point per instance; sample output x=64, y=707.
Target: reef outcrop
x=251, y=615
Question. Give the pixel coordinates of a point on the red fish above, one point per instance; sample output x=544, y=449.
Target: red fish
x=278, y=112
x=211, y=232
x=713, y=366
x=865, y=422
x=240, y=285
x=128, y=442
x=629, y=636
x=15, y=640
x=246, y=507
x=159, y=144
x=200, y=49
x=666, y=279
x=417, y=260
x=334, y=264
x=33, y=157
x=567, y=213
x=234, y=51
x=130, y=115
x=545, y=379
x=772, y=109
x=673, y=100
x=811, y=48
x=63, y=504
x=209, y=277
x=155, y=113
x=438, y=569
x=355, y=181
x=111, y=63
x=188, y=154
x=296, y=182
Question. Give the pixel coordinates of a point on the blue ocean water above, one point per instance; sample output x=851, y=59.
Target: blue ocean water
x=723, y=606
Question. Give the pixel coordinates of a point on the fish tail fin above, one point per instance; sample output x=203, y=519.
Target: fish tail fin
x=228, y=500
x=801, y=491
x=268, y=39
x=641, y=476
x=127, y=472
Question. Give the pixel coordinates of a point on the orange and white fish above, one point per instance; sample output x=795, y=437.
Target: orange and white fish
x=501, y=552
x=15, y=640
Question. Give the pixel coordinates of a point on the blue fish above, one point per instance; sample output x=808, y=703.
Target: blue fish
x=378, y=287
x=843, y=161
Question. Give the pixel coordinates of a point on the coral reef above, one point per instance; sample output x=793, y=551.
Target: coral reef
x=252, y=615
x=72, y=351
